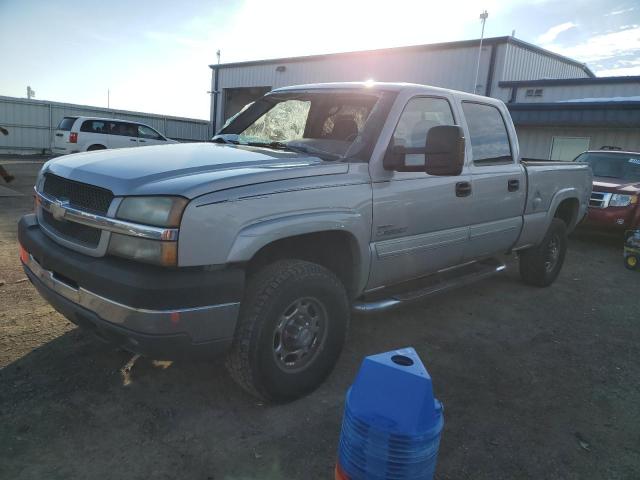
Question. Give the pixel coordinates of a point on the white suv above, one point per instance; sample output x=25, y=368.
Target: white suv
x=81, y=134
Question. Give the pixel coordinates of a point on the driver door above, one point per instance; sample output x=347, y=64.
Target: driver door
x=420, y=222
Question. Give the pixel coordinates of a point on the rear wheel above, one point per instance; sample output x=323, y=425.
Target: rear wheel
x=540, y=266
x=292, y=326
x=96, y=147
x=631, y=262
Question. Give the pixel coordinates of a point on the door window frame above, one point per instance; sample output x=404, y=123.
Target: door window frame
x=415, y=97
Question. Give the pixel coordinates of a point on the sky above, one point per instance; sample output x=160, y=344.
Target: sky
x=153, y=55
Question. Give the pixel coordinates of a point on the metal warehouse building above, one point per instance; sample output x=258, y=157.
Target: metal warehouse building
x=534, y=82
x=31, y=123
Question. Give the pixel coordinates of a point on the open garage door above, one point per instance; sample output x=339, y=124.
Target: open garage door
x=236, y=98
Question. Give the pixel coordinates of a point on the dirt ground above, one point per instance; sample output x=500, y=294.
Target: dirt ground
x=536, y=383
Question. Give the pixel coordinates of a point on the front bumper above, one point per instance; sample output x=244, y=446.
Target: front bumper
x=158, y=312
x=614, y=218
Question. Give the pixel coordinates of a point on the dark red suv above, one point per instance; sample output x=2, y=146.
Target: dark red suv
x=616, y=188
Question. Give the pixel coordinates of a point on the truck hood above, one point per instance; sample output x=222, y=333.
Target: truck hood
x=615, y=185
x=187, y=169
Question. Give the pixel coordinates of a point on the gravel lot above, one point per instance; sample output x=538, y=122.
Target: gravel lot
x=536, y=383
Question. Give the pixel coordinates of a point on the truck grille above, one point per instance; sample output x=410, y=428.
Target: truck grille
x=80, y=195
x=72, y=231
x=599, y=200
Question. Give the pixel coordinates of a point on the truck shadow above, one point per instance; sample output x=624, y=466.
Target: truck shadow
x=70, y=396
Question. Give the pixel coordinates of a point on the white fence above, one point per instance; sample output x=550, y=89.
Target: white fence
x=31, y=123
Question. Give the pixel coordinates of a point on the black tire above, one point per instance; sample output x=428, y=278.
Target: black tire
x=631, y=262
x=258, y=358
x=540, y=265
x=96, y=147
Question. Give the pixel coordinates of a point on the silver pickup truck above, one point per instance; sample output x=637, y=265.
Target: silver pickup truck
x=312, y=202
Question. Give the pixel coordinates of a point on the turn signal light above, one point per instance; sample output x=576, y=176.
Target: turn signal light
x=24, y=255
x=73, y=137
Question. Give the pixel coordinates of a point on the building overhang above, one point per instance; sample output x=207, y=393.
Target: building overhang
x=577, y=114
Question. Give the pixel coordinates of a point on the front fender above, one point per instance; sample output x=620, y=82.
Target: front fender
x=215, y=231
x=263, y=232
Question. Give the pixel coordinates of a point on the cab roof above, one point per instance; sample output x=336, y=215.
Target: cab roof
x=413, y=88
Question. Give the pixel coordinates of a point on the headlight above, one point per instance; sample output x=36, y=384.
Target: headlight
x=144, y=250
x=618, y=200
x=156, y=211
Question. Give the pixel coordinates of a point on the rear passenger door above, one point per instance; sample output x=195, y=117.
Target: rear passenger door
x=94, y=132
x=498, y=182
x=123, y=135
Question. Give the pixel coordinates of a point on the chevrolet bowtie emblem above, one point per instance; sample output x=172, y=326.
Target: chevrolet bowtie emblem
x=58, y=209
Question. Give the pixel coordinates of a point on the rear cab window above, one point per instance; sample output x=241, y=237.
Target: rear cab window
x=66, y=123
x=488, y=134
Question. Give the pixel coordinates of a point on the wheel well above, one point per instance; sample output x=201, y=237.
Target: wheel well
x=335, y=250
x=567, y=211
x=97, y=146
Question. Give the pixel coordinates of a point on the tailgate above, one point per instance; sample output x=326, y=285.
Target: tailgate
x=61, y=134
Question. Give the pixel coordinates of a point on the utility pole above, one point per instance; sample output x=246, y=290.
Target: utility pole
x=108, y=98
x=214, y=92
x=483, y=18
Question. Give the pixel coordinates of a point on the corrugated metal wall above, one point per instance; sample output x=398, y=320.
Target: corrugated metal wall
x=515, y=62
x=451, y=68
x=535, y=142
x=31, y=123
x=524, y=64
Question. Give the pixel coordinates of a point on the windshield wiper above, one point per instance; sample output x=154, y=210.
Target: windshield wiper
x=297, y=148
x=220, y=139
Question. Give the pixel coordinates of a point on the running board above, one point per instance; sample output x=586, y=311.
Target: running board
x=440, y=282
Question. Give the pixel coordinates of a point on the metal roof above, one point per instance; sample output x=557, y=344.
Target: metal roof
x=414, y=88
x=584, y=114
x=411, y=48
x=570, y=81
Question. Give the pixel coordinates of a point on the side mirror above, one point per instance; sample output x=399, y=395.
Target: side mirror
x=442, y=155
x=444, y=151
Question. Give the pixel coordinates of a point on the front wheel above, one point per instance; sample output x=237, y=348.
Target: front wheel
x=631, y=262
x=292, y=326
x=540, y=266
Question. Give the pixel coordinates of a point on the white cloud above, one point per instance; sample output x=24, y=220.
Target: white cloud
x=619, y=12
x=551, y=34
x=618, y=72
x=604, y=46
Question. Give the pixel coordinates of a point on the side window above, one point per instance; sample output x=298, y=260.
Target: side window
x=489, y=137
x=417, y=118
x=124, y=129
x=146, y=132
x=96, y=126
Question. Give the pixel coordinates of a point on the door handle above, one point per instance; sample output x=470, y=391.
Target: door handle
x=513, y=185
x=133, y=140
x=142, y=141
x=463, y=189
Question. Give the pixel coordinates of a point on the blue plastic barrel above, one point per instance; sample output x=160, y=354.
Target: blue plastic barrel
x=392, y=423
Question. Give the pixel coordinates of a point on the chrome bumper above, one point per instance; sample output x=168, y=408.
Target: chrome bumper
x=201, y=324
